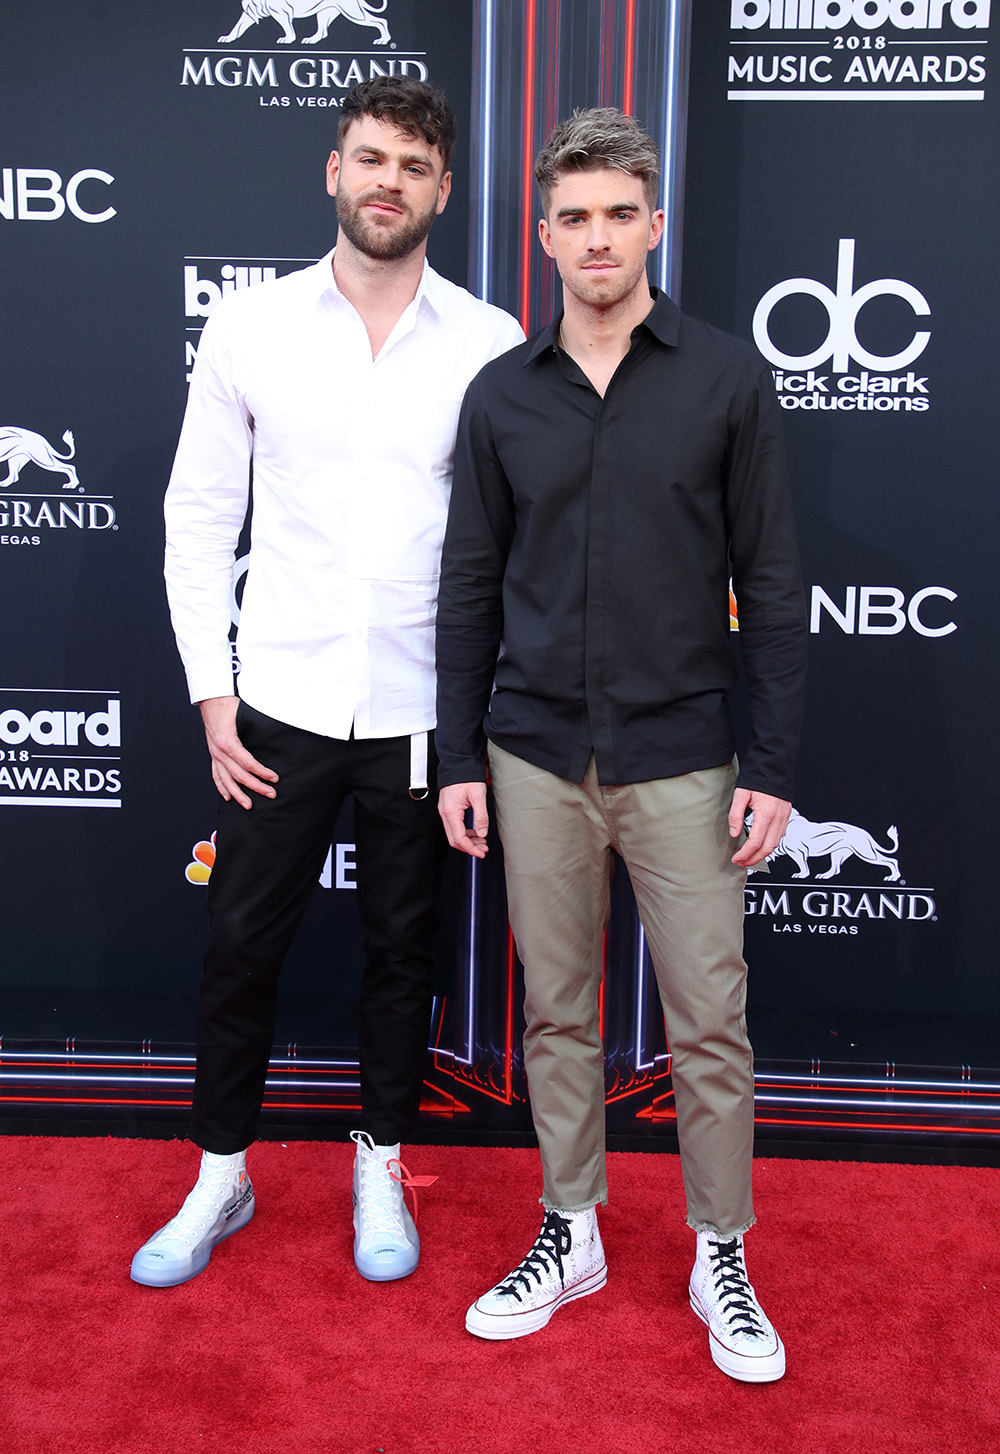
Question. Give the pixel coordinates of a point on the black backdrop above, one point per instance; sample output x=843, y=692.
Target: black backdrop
x=898, y=497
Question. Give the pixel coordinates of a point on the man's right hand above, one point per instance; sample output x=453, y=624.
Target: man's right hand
x=453, y=803
x=232, y=765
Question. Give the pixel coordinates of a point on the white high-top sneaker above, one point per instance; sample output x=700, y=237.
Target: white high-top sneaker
x=742, y=1340
x=219, y=1205
x=566, y=1262
x=386, y=1244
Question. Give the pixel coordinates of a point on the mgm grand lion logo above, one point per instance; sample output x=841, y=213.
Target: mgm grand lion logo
x=804, y=840
x=19, y=447
x=324, y=12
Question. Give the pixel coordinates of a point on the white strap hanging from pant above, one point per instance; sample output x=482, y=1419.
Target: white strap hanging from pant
x=418, y=766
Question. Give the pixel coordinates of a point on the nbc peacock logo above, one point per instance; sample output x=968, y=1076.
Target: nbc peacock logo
x=199, y=870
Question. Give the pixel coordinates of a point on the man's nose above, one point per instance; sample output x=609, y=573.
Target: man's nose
x=597, y=236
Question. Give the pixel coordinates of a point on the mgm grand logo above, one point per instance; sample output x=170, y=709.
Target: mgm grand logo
x=24, y=515
x=263, y=61
x=323, y=12
x=833, y=849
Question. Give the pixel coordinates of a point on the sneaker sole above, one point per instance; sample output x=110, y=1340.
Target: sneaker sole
x=382, y=1269
x=390, y=1267
x=519, y=1325
x=766, y=1369
x=157, y=1274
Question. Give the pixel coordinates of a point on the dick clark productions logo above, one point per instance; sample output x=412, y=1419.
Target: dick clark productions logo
x=877, y=385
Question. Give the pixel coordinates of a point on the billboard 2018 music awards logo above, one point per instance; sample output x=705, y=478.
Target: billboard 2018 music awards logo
x=207, y=280
x=857, y=50
x=806, y=905
x=307, y=78
x=858, y=380
x=26, y=515
x=60, y=748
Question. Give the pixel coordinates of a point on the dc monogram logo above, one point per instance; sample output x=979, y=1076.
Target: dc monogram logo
x=842, y=307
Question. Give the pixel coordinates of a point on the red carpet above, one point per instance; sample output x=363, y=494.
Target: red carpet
x=882, y=1280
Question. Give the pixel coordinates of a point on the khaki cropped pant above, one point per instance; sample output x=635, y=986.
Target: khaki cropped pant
x=673, y=835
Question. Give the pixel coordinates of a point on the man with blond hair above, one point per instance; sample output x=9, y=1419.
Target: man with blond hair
x=610, y=474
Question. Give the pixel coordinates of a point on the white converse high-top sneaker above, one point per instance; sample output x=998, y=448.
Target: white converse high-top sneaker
x=566, y=1262
x=742, y=1340
x=219, y=1205
x=386, y=1244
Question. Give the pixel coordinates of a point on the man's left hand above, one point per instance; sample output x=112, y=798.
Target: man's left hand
x=770, y=819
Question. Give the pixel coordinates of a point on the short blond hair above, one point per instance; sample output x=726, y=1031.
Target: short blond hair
x=596, y=137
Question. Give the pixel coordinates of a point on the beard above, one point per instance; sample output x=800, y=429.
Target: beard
x=383, y=238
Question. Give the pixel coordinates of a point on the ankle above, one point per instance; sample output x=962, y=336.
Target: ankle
x=579, y=1220
x=216, y=1164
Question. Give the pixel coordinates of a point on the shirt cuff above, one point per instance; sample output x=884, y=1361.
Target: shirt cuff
x=211, y=679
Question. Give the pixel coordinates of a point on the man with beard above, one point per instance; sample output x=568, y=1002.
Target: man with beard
x=609, y=475
x=341, y=385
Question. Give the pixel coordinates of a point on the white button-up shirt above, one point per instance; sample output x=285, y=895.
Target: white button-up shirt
x=352, y=460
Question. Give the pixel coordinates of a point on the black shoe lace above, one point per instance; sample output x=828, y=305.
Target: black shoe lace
x=551, y=1246
x=733, y=1289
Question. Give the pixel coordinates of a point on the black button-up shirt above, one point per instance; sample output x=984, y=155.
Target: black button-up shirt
x=585, y=576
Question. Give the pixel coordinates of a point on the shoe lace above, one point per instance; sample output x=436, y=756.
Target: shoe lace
x=733, y=1288
x=409, y=1182
x=201, y=1206
x=379, y=1205
x=550, y=1247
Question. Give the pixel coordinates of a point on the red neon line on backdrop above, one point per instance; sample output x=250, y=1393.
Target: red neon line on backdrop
x=526, y=164
x=508, y=1030
x=628, y=91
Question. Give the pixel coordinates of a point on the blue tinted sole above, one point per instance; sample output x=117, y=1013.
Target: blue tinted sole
x=387, y=1269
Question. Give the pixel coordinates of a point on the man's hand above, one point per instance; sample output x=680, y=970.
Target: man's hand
x=232, y=765
x=770, y=819
x=452, y=804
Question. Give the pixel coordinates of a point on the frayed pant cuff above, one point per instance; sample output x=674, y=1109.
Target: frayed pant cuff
x=600, y=1201
x=709, y=1227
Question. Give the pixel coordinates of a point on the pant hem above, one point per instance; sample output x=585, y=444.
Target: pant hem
x=601, y=1200
x=216, y=1147
x=710, y=1227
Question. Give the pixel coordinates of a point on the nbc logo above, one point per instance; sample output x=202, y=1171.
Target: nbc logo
x=337, y=870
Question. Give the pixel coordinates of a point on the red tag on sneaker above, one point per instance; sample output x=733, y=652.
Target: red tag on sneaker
x=409, y=1182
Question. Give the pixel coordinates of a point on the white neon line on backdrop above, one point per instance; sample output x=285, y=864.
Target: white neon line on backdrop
x=674, y=139
x=486, y=156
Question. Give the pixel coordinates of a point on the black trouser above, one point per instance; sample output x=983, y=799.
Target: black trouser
x=268, y=861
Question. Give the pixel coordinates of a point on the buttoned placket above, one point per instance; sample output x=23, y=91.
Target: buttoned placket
x=364, y=424
x=597, y=722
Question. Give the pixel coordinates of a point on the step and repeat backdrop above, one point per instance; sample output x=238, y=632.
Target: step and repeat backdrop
x=839, y=211
x=827, y=169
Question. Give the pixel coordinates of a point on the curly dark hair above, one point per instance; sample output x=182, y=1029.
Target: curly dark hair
x=414, y=106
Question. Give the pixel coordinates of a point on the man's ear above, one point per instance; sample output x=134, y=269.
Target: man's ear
x=332, y=173
x=444, y=192
x=545, y=236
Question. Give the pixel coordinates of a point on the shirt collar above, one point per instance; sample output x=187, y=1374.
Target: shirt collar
x=430, y=289
x=663, y=321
